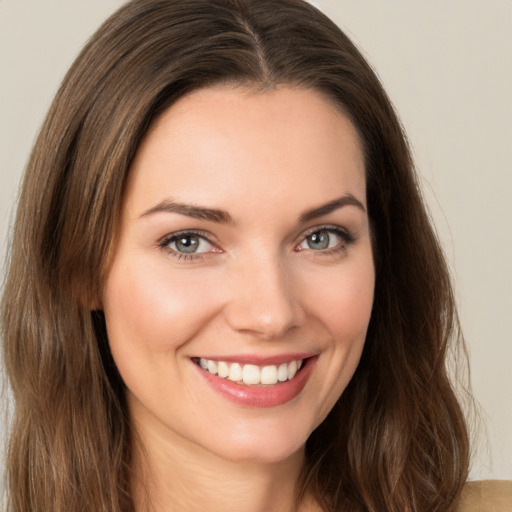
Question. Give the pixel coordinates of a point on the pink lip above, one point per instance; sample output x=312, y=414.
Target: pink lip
x=261, y=396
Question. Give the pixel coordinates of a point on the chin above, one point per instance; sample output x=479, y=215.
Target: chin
x=266, y=443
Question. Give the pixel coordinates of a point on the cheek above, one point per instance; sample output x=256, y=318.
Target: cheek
x=147, y=307
x=344, y=302
x=340, y=304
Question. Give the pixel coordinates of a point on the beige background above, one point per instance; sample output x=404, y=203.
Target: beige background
x=447, y=67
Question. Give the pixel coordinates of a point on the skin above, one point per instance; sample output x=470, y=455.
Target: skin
x=255, y=287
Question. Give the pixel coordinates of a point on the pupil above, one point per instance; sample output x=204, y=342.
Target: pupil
x=318, y=240
x=187, y=244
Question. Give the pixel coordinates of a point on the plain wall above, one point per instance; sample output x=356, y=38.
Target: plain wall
x=447, y=68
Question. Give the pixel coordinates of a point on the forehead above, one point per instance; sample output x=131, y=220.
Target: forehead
x=219, y=144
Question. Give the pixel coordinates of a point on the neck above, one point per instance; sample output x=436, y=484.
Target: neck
x=175, y=475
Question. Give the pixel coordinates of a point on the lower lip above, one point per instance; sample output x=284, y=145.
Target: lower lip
x=261, y=396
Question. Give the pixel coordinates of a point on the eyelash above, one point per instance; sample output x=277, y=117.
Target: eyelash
x=346, y=237
x=173, y=237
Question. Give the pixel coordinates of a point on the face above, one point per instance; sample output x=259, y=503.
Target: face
x=238, y=300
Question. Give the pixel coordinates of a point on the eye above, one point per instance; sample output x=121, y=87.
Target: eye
x=325, y=239
x=187, y=244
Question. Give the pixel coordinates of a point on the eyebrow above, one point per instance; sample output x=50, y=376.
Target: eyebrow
x=190, y=210
x=223, y=217
x=346, y=200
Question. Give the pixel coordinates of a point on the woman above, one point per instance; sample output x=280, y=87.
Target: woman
x=224, y=291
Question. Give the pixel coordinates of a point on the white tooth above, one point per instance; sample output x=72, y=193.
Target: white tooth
x=203, y=363
x=212, y=367
x=235, y=372
x=282, y=372
x=299, y=364
x=292, y=369
x=251, y=374
x=269, y=374
x=223, y=369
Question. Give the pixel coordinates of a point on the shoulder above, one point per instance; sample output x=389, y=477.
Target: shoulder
x=486, y=496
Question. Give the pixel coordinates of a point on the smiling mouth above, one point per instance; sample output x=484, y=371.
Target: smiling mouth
x=250, y=374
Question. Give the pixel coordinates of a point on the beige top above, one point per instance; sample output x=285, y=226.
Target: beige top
x=487, y=496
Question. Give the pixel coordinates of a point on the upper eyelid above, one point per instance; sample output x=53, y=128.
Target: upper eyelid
x=327, y=227
x=197, y=232
x=324, y=227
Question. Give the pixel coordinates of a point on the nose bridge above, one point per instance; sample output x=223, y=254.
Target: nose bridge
x=262, y=298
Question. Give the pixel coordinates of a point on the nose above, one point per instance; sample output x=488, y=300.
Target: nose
x=263, y=300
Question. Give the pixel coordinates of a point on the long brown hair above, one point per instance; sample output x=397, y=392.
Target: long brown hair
x=395, y=441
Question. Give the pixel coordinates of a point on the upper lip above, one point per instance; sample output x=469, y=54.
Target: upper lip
x=259, y=360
